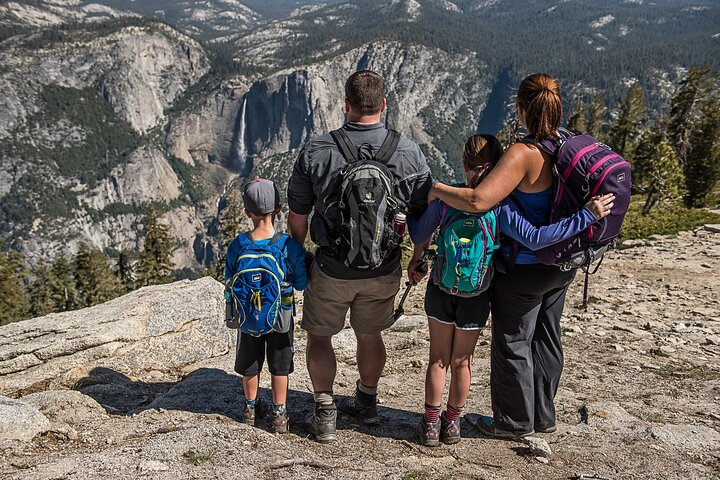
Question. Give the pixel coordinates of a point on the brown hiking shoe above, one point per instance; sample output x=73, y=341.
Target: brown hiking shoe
x=281, y=420
x=449, y=430
x=429, y=433
x=251, y=413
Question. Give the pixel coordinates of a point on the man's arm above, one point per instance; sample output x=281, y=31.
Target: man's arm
x=301, y=198
x=298, y=226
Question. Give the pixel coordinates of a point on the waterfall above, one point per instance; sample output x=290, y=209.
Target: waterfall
x=241, y=148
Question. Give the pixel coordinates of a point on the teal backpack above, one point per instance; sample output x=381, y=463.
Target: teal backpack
x=465, y=247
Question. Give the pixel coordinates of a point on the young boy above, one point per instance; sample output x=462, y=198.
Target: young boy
x=262, y=204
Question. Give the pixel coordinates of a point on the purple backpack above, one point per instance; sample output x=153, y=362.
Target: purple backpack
x=585, y=167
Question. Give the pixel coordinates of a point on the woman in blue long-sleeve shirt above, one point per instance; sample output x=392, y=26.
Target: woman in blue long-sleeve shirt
x=455, y=322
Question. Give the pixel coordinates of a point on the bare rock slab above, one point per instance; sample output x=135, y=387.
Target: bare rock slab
x=692, y=438
x=20, y=420
x=162, y=327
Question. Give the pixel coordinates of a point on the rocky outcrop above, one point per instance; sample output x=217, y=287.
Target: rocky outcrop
x=20, y=421
x=140, y=70
x=146, y=177
x=159, y=328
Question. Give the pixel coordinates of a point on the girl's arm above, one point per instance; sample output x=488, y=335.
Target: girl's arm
x=515, y=225
x=421, y=229
x=500, y=183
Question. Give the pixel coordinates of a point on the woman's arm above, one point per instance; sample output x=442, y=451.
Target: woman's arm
x=515, y=225
x=500, y=182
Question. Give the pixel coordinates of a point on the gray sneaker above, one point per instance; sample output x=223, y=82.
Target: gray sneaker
x=321, y=423
x=361, y=406
x=429, y=433
x=449, y=430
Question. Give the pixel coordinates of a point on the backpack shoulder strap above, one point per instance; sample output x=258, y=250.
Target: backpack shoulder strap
x=347, y=148
x=277, y=237
x=387, y=149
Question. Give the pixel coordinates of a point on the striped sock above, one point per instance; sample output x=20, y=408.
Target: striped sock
x=432, y=413
x=453, y=413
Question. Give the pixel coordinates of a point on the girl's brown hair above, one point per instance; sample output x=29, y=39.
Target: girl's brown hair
x=481, y=152
x=539, y=96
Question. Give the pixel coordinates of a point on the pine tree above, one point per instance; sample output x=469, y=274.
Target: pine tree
x=686, y=108
x=578, y=116
x=702, y=164
x=63, y=291
x=155, y=265
x=40, y=292
x=96, y=283
x=14, y=302
x=666, y=181
x=627, y=127
x=596, y=118
x=124, y=271
x=231, y=223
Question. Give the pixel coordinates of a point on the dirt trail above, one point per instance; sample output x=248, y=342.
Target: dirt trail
x=639, y=398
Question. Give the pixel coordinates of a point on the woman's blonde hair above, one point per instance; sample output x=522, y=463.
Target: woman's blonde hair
x=481, y=153
x=539, y=96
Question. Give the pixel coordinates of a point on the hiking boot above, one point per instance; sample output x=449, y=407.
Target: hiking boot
x=550, y=429
x=321, y=423
x=361, y=406
x=487, y=427
x=449, y=430
x=251, y=413
x=281, y=420
x=429, y=433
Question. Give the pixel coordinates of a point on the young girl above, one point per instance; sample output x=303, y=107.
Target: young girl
x=455, y=322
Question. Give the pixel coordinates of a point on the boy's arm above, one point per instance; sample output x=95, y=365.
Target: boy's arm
x=296, y=254
x=516, y=226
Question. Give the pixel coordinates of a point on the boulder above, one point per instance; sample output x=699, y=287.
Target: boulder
x=160, y=328
x=68, y=406
x=20, y=421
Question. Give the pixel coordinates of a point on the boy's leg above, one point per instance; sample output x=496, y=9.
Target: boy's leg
x=251, y=384
x=249, y=359
x=281, y=365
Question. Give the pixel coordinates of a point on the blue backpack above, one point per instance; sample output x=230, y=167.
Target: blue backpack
x=255, y=287
x=465, y=247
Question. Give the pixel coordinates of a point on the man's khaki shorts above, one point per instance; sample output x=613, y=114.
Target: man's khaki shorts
x=327, y=300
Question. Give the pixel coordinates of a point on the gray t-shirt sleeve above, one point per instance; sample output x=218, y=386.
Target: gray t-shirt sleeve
x=421, y=187
x=300, y=193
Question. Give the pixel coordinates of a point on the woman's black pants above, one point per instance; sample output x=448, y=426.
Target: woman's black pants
x=526, y=354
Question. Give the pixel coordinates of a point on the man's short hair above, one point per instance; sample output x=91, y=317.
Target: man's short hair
x=365, y=90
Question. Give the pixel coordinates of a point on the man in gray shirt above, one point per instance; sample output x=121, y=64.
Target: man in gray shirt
x=333, y=287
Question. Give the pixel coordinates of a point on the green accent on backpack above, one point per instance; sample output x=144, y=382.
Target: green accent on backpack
x=465, y=247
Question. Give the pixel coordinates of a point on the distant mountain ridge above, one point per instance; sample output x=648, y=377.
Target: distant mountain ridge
x=105, y=111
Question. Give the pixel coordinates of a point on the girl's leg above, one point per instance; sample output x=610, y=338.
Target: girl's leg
x=463, y=348
x=441, y=342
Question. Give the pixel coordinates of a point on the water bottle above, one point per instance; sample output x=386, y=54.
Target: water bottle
x=399, y=223
x=286, y=295
x=284, y=320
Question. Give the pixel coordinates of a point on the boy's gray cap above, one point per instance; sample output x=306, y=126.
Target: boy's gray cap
x=261, y=196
